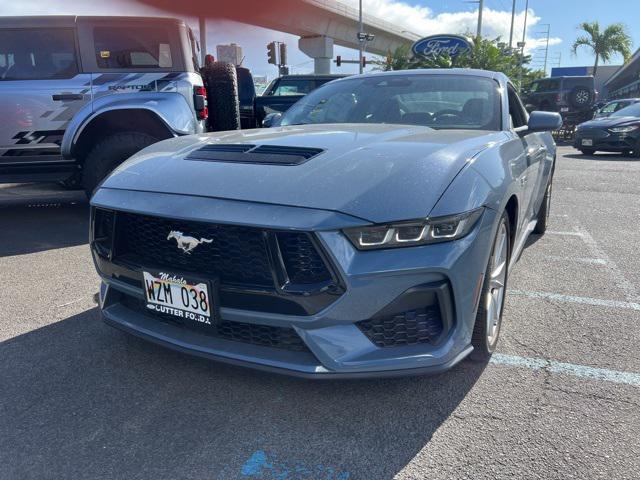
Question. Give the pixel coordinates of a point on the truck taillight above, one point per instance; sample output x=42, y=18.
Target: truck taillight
x=200, y=102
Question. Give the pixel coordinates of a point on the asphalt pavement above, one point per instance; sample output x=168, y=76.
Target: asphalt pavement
x=560, y=399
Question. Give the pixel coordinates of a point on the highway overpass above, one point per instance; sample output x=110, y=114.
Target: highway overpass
x=321, y=23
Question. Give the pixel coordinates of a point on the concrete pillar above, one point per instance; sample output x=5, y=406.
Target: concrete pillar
x=320, y=49
x=202, y=23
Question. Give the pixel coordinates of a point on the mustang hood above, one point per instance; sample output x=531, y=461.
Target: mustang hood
x=379, y=173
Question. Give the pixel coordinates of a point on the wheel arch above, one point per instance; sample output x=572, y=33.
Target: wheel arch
x=109, y=122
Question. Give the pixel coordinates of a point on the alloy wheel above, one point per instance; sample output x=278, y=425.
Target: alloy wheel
x=495, y=295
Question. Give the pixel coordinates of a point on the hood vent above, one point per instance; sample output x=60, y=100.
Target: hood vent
x=263, y=154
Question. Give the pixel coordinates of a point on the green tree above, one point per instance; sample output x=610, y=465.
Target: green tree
x=614, y=39
x=485, y=54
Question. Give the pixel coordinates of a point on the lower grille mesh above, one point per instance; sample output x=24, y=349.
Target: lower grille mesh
x=414, y=327
x=263, y=335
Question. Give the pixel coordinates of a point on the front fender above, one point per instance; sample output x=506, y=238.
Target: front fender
x=171, y=108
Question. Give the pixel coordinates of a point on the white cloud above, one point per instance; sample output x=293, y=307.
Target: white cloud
x=423, y=21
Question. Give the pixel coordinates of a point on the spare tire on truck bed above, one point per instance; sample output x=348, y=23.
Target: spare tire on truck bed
x=221, y=82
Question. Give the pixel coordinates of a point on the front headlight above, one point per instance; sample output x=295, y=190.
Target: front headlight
x=413, y=233
x=627, y=129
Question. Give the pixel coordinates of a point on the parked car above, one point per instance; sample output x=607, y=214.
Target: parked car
x=614, y=105
x=286, y=90
x=573, y=97
x=371, y=234
x=619, y=132
x=79, y=95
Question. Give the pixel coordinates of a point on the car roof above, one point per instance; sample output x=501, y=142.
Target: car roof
x=35, y=21
x=565, y=77
x=469, y=72
x=315, y=76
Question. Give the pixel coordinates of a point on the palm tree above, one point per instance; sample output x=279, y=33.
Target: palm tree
x=614, y=39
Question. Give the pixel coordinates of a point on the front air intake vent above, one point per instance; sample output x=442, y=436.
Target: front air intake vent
x=263, y=154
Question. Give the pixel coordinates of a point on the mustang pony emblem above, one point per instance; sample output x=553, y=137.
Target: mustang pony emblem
x=186, y=243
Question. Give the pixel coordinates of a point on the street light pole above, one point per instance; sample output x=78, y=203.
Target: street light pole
x=360, y=39
x=524, y=31
x=513, y=17
x=480, y=8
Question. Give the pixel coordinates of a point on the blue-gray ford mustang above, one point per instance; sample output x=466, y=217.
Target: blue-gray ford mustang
x=370, y=233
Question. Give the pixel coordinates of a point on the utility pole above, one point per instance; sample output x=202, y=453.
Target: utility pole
x=513, y=17
x=524, y=31
x=480, y=8
x=524, y=41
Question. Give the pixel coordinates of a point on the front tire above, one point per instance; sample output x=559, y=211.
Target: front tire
x=489, y=317
x=110, y=152
x=545, y=208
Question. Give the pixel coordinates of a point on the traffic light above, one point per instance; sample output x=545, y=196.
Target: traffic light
x=271, y=53
x=283, y=54
x=338, y=60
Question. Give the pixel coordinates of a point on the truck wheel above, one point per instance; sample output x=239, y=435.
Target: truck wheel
x=580, y=97
x=223, y=101
x=108, y=154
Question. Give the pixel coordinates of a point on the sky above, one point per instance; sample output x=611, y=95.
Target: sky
x=425, y=17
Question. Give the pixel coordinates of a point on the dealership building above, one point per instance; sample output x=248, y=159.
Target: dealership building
x=625, y=82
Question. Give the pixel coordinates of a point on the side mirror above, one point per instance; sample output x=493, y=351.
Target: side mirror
x=271, y=120
x=544, y=121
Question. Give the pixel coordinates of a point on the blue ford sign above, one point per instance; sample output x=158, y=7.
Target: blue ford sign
x=434, y=45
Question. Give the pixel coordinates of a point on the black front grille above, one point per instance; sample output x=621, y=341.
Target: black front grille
x=263, y=335
x=237, y=255
x=302, y=262
x=423, y=325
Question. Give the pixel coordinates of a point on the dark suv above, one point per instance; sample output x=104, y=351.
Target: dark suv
x=570, y=96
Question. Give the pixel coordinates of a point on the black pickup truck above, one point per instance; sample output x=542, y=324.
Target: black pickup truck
x=284, y=91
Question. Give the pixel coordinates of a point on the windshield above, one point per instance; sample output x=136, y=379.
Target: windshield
x=436, y=101
x=630, y=111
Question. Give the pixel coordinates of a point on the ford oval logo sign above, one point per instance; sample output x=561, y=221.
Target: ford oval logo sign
x=435, y=45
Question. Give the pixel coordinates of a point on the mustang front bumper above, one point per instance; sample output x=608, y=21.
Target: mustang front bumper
x=401, y=311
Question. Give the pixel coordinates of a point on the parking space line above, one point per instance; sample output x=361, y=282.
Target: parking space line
x=615, y=376
x=574, y=299
x=589, y=261
x=556, y=232
x=630, y=292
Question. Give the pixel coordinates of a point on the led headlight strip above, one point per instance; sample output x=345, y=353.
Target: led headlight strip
x=412, y=233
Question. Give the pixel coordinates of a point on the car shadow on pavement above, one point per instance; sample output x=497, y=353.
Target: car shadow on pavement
x=83, y=400
x=27, y=229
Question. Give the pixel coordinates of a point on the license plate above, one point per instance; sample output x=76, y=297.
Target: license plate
x=587, y=142
x=564, y=109
x=175, y=295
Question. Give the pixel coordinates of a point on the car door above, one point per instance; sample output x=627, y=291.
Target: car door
x=41, y=88
x=533, y=179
